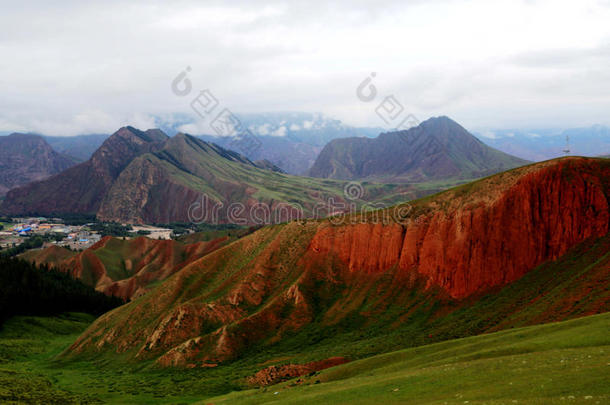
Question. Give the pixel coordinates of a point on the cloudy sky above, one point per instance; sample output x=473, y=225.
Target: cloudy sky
x=85, y=67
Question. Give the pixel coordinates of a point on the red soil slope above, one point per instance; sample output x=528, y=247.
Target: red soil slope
x=425, y=263
x=125, y=268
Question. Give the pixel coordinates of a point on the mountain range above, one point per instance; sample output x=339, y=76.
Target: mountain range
x=145, y=176
x=25, y=158
x=438, y=148
x=148, y=177
x=80, y=147
x=446, y=266
x=81, y=188
x=290, y=140
x=543, y=144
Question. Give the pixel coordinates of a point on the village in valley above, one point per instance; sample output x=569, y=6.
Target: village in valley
x=15, y=232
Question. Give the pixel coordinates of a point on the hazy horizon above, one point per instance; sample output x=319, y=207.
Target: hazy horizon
x=489, y=132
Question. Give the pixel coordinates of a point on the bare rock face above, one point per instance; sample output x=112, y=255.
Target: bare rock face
x=471, y=248
x=435, y=258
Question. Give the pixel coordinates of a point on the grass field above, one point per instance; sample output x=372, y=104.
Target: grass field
x=6, y=225
x=532, y=365
x=30, y=373
x=565, y=362
x=26, y=343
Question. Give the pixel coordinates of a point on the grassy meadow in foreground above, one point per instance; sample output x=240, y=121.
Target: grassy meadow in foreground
x=565, y=362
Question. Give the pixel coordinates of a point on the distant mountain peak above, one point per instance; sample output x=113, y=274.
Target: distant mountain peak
x=437, y=148
x=150, y=135
x=441, y=119
x=28, y=157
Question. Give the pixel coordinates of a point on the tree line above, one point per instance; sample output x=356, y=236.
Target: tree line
x=28, y=289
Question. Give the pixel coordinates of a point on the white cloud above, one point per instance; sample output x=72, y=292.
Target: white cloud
x=307, y=124
x=281, y=131
x=489, y=134
x=264, y=129
x=144, y=121
x=76, y=67
x=7, y=126
x=190, y=129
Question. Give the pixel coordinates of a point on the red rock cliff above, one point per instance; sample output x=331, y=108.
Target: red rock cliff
x=470, y=245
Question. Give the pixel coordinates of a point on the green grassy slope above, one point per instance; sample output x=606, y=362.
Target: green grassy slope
x=27, y=342
x=533, y=365
x=564, y=362
x=31, y=373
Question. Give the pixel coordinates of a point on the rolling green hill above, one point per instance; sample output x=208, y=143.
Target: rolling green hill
x=128, y=268
x=565, y=362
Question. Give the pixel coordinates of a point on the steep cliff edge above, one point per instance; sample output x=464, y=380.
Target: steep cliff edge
x=445, y=266
x=490, y=238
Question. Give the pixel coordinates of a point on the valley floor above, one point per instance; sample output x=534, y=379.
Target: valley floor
x=564, y=362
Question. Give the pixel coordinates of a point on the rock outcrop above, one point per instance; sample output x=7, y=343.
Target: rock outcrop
x=275, y=374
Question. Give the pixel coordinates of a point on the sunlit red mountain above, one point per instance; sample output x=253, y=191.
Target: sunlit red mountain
x=521, y=247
